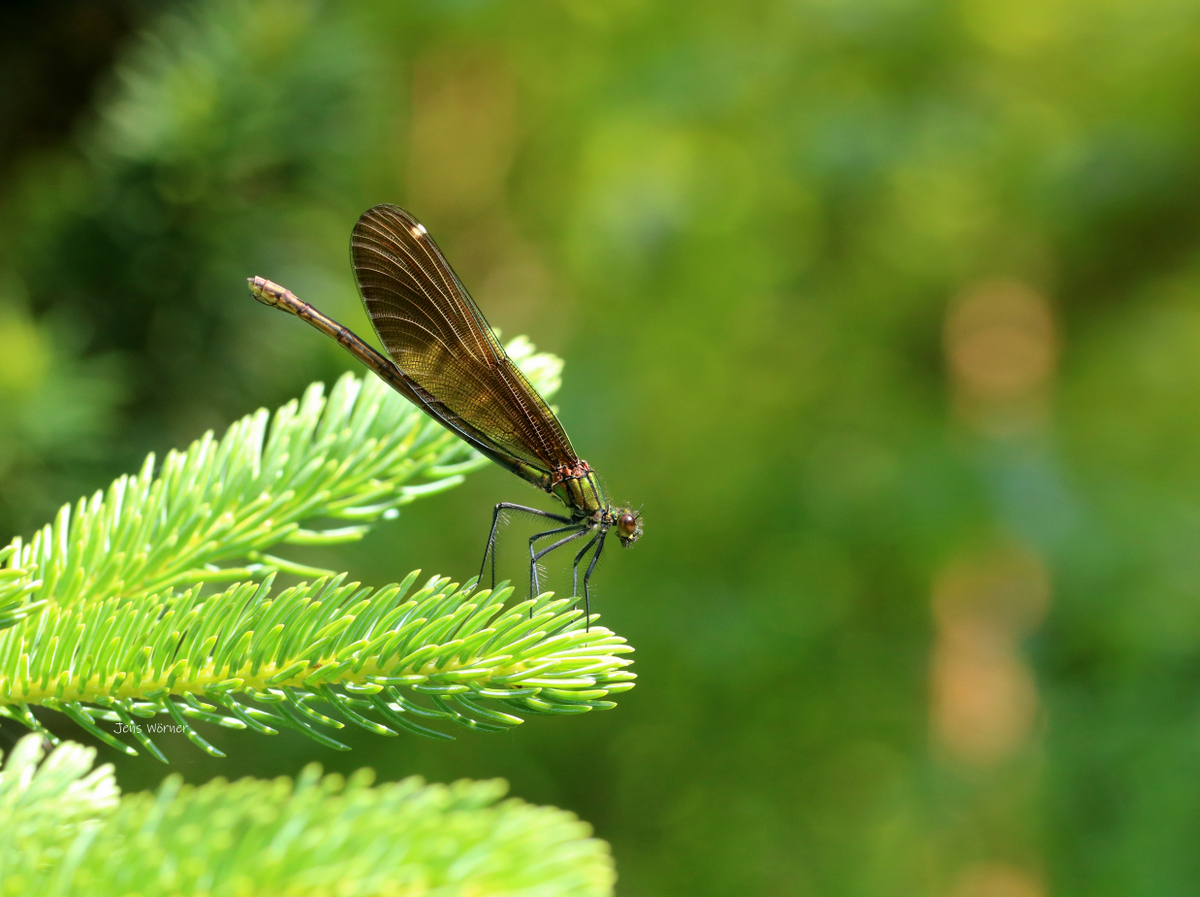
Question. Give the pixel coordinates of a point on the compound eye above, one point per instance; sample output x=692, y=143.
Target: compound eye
x=626, y=525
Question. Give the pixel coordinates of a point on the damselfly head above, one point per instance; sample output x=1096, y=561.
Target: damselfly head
x=628, y=526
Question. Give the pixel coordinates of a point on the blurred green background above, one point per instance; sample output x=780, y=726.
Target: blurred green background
x=886, y=311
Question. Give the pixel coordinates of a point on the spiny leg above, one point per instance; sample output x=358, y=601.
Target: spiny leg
x=491, y=542
x=587, y=619
x=587, y=603
x=534, y=557
x=578, y=558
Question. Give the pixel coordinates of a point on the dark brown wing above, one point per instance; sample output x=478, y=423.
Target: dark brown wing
x=440, y=340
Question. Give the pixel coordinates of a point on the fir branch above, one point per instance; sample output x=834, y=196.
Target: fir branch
x=212, y=512
x=381, y=660
x=320, y=835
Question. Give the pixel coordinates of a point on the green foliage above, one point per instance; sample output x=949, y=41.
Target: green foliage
x=175, y=134
x=62, y=832
x=49, y=811
x=107, y=631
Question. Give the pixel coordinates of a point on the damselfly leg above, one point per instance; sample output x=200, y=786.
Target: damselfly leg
x=490, y=548
x=579, y=530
